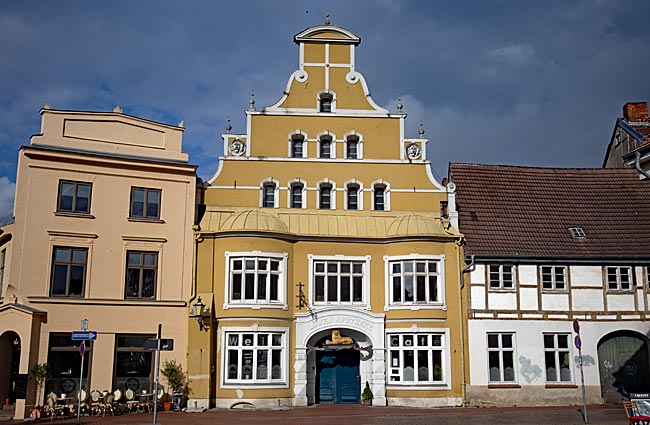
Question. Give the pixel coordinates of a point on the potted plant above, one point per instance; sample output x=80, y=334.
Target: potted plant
x=366, y=395
x=38, y=374
x=176, y=381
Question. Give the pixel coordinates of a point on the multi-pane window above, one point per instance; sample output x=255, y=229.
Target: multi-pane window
x=68, y=271
x=501, y=276
x=296, y=196
x=255, y=280
x=255, y=357
x=145, y=203
x=325, y=197
x=74, y=197
x=415, y=281
x=352, y=197
x=501, y=357
x=619, y=278
x=352, y=148
x=141, y=272
x=325, y=148
x=268, y=195
x=63, y=364
x=339, y=281
x=325, y=103
x=557, y=355
x=297, y=145
x=379, y=195
x=554, y=277
x=416, y=358
x=133, y=365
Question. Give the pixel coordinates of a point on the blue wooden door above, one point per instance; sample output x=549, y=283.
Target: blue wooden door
x=338, y=377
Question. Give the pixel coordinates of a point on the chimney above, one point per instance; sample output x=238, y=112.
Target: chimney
x=635, y=111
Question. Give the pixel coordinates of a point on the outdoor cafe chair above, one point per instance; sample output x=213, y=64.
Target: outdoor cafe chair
x=117, y=397
x=52, y=409
x=131, y=402
x=95, y=402
x=107, y=404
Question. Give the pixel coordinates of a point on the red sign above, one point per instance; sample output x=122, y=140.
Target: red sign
x=82, y=348
x=576, y=326
x=578, y=342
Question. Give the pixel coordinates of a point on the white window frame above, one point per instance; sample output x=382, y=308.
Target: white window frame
x=332, y=184
x=357, y=183
x=500, y=349
x=268, y=182
x=386, y=186
x=501, y=286
x=553, y=275
x=256, y=304
x=330, y=137
x=415, y=331
x=330, y=93
x=388, y=283
x=617, y=274
x=250, y=383
x=556, y=350
x=291, y=137
x=359, y=137
x=3, y=260
x=290, y=186
x=365, y=284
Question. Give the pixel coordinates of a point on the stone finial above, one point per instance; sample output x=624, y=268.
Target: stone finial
x=46, y=105
x=327, y=18
x=421, y=131
x=117, y=109
x=181, y=124
x=252, y=101
x=399, y=104
x=228, y=126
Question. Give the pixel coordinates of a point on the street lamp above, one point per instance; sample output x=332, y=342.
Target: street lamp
x=197, y=311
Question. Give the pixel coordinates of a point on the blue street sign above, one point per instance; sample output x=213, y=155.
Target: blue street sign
x=578, y=342
x=84, y=335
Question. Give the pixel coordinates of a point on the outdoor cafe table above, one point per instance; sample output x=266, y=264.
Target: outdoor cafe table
x=146, y=401
x=67, y=403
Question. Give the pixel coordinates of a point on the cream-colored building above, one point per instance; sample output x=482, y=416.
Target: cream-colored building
x=324, y=221
x=103, y=212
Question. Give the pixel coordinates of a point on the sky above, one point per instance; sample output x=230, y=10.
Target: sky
x=494, y=82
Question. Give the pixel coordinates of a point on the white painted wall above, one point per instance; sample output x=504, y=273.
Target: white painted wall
x=527, y=274
x=528, y=299
x=586, y=276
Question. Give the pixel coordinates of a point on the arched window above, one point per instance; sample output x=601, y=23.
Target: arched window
x=353, y=197
x=352, y=147
x=325, y=102
x=296, y=200
x=325, y=147
x=325, y=198
x=268, y=195
x=378, y=198
x=297, y=146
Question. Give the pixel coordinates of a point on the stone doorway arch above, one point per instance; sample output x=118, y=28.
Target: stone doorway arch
x=367, y=331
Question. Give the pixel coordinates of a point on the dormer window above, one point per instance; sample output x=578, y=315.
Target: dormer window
x=577, y=232
x=325, y=102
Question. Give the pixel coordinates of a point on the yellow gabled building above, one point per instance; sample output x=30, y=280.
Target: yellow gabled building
x=322, y=257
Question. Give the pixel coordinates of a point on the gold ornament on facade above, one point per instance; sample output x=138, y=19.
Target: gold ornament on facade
x=337, y=339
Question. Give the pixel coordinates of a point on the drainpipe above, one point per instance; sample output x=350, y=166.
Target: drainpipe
x=470, y=267
x=637, y=165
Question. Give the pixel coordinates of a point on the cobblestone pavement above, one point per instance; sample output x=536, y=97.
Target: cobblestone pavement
x=357, y=415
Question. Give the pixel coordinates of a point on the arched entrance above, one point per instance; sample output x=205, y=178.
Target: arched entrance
x=338, y=376
x=623, y=365
x=10, y=348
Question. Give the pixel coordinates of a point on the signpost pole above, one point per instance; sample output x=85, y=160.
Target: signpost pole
x=82, y=351
x=155, y=391
x=578, y=342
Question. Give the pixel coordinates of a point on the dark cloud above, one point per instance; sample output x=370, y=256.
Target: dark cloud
x=500, y=82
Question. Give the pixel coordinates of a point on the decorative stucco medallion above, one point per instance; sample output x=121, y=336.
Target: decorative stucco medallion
x=237, y=147
x=413, y=151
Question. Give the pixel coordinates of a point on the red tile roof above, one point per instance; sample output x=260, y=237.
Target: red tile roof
x=526, y=212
